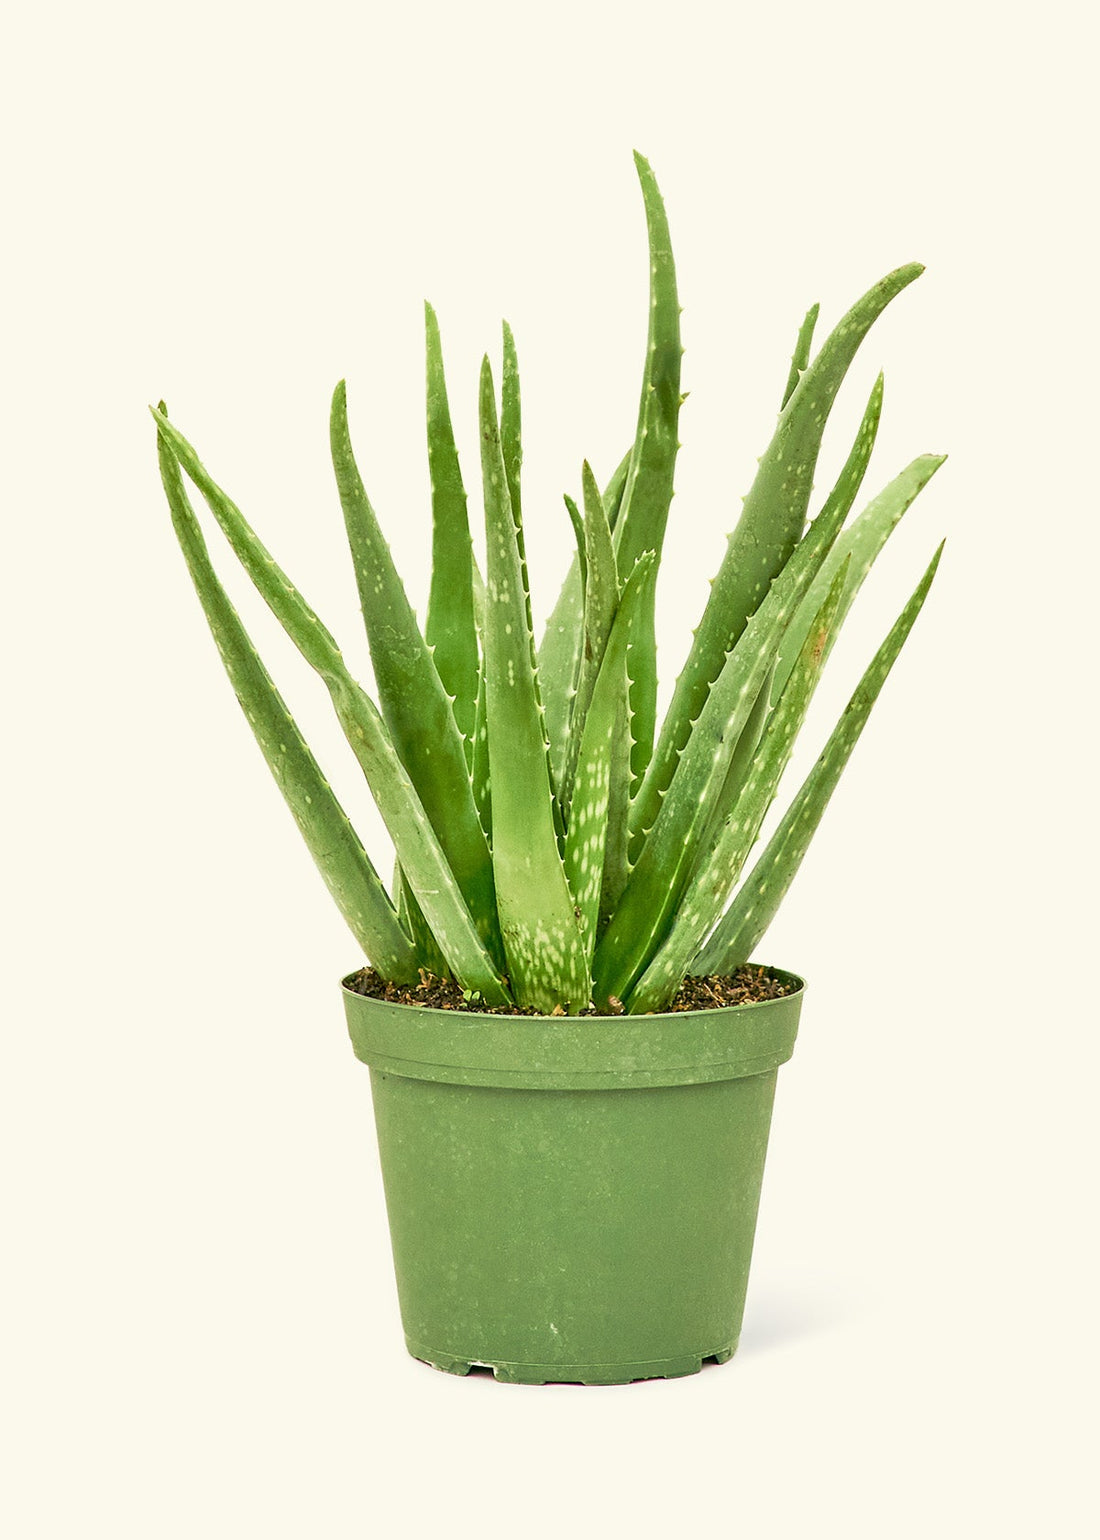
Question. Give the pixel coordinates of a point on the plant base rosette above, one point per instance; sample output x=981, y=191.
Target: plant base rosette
x=573, y=1199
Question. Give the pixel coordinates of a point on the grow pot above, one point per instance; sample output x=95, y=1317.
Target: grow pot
x=572, y=1198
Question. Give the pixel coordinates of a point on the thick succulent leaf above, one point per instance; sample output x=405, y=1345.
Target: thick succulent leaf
x=601, y=600
x=511, y=438
x=586, y=840
x=559, y=660
x=837, y=504
x=771, y=522
x=836, y=508
x=449, y=628
x=428, y=955
x=511, y=448
x=656, y=883
x=313, y=640
x=415, y=706
x=615, y=490
x=423, y=862
x=649, y=484
x=418, y=850
x=754, y=908
x=742, y=759
x=800, y=358
x=641, y=666
x=616, y=860
x=858, y=546
x=720, y=865
x=542, y=937
x=345, y=866
x=480, y=774
x=576, y=518
x=560, y=652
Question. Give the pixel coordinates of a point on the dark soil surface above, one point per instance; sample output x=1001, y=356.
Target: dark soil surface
x=746, y=985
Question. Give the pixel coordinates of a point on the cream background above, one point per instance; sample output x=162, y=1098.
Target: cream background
x=234, y=205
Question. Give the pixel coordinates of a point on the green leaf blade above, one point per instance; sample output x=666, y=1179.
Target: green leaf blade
x=860, y=546
x=313, y=640
x=800, y=358
x=587, y=836
x=657, y=882
x=450, y=628
x=415, y=705
x=542, y=938
x=418, y=850
x=725, y=851
x=753, y=909
x=771, y=523
x=422, y=860
x=562, y=641
x=601, y=600
x=511, y=424
x=648, y=490
x=347, y=870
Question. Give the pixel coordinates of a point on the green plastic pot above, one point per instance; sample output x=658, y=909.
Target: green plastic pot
x=572, y=1198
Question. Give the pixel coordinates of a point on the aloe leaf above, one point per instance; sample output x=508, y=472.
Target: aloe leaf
x=428, y=955
x=586, y=840
x=559, y=660
x=601, y=600
x=637, y=502
x=480, y=771
x=771, y=522
x=511, y=440
x=422, y=860
x=615, y=490
x=542, y=939
x=479, y=599
x=449, y=628
x=642, y=667
x=754, y=907
x=862, y=543
x=801, y=356
x=602, y=587
x=576, y=518
x=743, y=757
x=720, y=866
x=616, y=860
x=656, y=883
x=560, y=652
x=649, y=483
x=511, y=448
x=347, y=870
x=837, y=505
x=415, y=705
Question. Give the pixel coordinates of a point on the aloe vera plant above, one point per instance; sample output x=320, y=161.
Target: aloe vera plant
x=554, y=848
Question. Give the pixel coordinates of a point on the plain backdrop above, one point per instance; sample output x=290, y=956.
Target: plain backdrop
x=234, y=206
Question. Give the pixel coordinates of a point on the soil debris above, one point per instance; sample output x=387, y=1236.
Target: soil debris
x=749, y=984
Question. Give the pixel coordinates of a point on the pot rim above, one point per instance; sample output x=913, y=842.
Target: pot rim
x=476, y=1048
